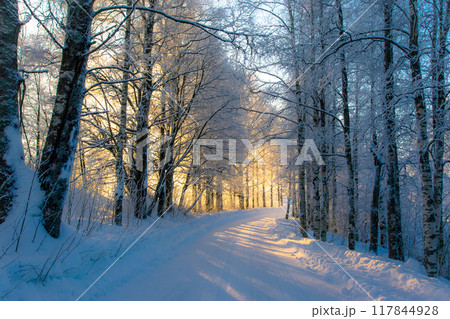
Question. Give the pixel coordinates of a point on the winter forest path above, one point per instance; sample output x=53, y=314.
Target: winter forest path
x=255, y=255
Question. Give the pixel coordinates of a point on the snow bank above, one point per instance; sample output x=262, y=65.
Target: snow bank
x=44, y=268
x=382, y=278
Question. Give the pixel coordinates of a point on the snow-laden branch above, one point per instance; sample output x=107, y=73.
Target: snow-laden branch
x=274, y=95
x=127, y=16
x=114, y=82
x=368, y=38
x=42, y=24
x=206, y=28
x=111, y=67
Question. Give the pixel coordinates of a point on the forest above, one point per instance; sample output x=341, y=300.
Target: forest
x=118, y=113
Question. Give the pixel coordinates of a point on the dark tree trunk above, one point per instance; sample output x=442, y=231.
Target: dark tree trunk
x=394, y=217
x=324, y=207
x=169, y=185
x=121, y=136
x=288, y=205
x=264, y=188
x=383, y=230
x=208, y=202
x=347, y=140
x=219, y=197
x=430, y=259
x=300, y=122
x=140, y=174
x=440, y=33
x=333, y=226
x=373, y=246
x=60, y=145
x=316, y=201
x=294, y=206
x=186, y=185
x=164, y=189
x=241, y=200
x=247, y=189
x=375, y=205
x=309, y=213
x=302, y=199
x=280, y=196
x=9, y=107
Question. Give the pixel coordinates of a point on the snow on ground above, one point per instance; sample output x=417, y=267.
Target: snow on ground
x=379, y=276
x=252, y=255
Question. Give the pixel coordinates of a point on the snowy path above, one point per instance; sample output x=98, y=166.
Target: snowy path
x=243, y=256
x=238, y=260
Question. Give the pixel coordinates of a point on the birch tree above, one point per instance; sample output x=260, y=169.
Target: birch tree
x=10, y=144
x=429, y=217
x=440, y=30
x=121, y=136
x=61, y=142
x=140, y=171
x=394, y=222
x=347, y=137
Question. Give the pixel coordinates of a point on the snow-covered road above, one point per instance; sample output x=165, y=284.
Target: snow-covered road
x=255, y=256
x=241, y=259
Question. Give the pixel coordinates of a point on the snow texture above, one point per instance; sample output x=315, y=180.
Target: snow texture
x=251, y=255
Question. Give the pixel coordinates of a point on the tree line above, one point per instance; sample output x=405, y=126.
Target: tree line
x=368, y=82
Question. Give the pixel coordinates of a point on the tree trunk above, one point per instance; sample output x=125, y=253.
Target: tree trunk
x=253, y=191
x=374, y=209
x=247, y=189
x=294, y=207
x=316, y=201
x=60, y=145
x=219, y=197
x=241, y=200
x=271, y=189
x=373, y=246
x=300, y=121
x=121, y=136
x=430, y=259
x=347, y=140
x=199, y=196
x=140, y=174
x=257, y=185
x=208, y=202
x=333, y=226
x=186, y=185
x=324, y=206
x=302, y=201
x=9, y=107
x=280, y=196
x=309, y=195
x=440, y=34
x=264, y=188
x=169, y=185
x=394, y=217
x=288, y=207
x=355, y=153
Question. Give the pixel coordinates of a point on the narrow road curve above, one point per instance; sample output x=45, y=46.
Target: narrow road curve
x=239, y=259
